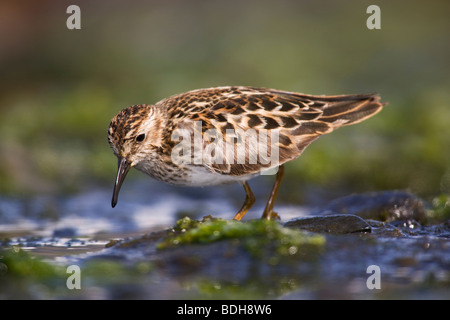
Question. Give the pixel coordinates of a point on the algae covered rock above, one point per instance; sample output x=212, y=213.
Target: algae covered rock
x=253, y=235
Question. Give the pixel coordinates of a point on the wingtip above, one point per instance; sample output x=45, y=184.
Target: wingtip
x=375, y=97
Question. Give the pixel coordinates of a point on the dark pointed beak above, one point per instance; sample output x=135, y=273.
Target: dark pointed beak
x=124, y=167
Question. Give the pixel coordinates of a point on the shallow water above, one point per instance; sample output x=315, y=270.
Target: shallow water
x=414, y=259
x=49, y=226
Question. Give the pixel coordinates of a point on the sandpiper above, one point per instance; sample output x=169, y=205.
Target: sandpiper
x=228, y=134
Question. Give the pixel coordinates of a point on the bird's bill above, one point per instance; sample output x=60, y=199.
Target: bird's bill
x=124, y=167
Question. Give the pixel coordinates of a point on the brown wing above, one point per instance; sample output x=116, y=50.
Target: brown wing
x=289, y=122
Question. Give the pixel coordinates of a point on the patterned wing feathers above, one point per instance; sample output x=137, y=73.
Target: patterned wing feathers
x=297, y=119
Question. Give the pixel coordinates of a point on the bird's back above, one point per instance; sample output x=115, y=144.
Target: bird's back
x=289, y=121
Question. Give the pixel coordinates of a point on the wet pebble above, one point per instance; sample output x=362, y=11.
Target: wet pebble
x=335, y=224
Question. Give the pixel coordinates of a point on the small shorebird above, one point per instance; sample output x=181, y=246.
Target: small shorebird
x=221, y=135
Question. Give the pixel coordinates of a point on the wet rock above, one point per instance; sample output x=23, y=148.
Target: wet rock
x=409, y=227
x=257, y=238
x=384, y=229
x=335, y=224
x=383, y=206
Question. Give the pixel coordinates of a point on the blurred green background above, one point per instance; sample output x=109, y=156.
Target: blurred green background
x=59, y=88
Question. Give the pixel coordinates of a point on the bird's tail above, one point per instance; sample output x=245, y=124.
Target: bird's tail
x=349, y=109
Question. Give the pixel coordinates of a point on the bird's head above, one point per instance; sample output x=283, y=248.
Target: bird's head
x=133, y=134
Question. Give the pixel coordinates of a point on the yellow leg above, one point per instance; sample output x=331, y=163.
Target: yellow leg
x=268, y=211
x=249, y=201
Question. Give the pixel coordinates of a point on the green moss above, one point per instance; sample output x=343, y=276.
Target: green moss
x=16, y=262
x=251, y=289
x=440, y=209
x=254, y=235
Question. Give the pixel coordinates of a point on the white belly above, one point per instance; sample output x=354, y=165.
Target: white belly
x=201, y=176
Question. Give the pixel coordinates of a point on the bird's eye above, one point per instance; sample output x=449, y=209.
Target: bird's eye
x=140, y=137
